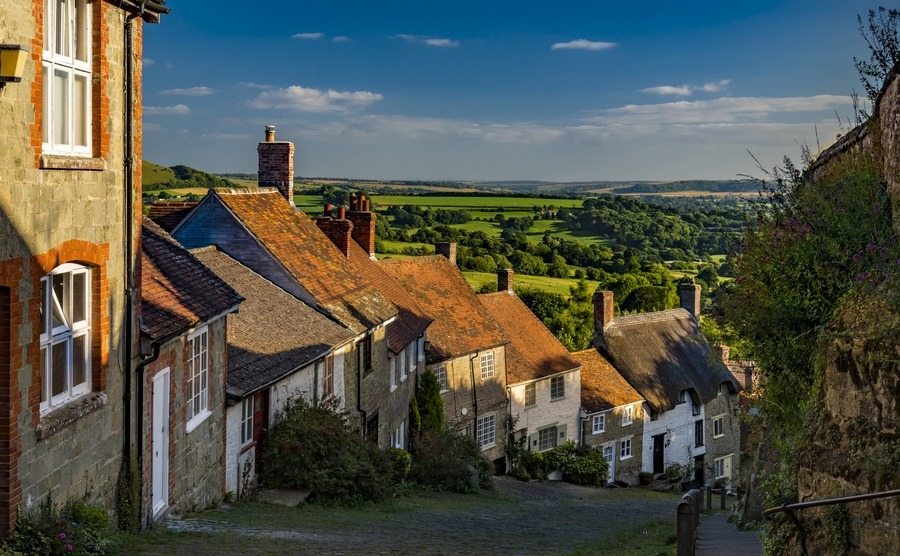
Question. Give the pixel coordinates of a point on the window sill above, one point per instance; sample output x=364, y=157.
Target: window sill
x=65, y=162
x=66, y=414
x=719, y=436
x=488, y=446
x=625, y=458
x=628, y=424
x=393, y=388
x=559, y=399
x=598, y=432
x=196, y=420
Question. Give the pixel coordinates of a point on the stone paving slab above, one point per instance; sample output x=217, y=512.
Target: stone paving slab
x=717, y=537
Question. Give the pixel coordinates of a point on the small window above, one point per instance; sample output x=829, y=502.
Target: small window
x=247, y=421
x=441, y=374
x=421, y=348
x=365, y=354
x=487, y=365
x=719, y=426
x=371, y=430
x=557, y=388
x=695, y=409
x=625, y=449
x=530, y=395
x=486, y=431
x=394, y=373
x=654, y=415
x=198, y=386
x=599, y=424
x=411, y=360
x=722, y=467
x=547, y=438
x=328, y=377
x=682, y=396
x=698, y=433
x=627, y=415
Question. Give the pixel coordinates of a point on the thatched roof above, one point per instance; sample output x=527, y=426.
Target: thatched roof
x=660, y=354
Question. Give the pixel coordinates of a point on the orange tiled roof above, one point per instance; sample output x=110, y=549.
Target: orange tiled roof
x=602, y=387
x=177, y=291
x=461, y=323
x=169, y=213
x=533, y=351
x=411, y=319
x=309, y=256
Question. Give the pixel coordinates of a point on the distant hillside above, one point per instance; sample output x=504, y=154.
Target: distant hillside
x=712, y=186
x=158, y=178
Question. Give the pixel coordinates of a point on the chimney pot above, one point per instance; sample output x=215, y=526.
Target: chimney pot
x=354, y=203
x=505, y=280
x=276, y=165
x=328, y=208
x=603, y=310
x=446, y=249
x=342, y=212
x=270, y=134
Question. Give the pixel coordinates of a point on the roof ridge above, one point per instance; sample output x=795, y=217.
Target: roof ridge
x=247, y=191
x=655, y=316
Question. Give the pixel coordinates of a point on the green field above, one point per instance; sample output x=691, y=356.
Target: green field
x=154, y=174
x=554, y=285
x=498, y=204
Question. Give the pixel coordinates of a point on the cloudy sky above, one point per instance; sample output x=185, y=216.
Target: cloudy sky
x=568, y=90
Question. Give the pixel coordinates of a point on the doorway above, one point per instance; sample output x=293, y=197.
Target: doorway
x=160, y=442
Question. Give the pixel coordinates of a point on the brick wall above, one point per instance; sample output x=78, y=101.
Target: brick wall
x=276, y=167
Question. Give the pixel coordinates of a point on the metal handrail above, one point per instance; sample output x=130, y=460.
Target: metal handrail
x=789, y=508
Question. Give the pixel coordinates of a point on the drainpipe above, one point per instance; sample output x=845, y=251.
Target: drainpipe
x=474, y=398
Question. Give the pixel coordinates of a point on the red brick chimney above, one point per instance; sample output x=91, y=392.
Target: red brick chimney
x=505, y=280
x=690, y=298
x=363, y=223
x=446, y=249
x=338, y=230
x=276, y=164
x=723, y=351
x=603, y=310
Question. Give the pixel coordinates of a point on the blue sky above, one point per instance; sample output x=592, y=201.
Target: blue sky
x=568, y=90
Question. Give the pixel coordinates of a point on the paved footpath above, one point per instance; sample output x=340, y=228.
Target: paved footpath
x=717, y=537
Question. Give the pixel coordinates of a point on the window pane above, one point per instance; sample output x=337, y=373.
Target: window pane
x=48, y=17
x=80, y=111
x=61, y=37
x=79, y=297
x=60, y=365
x=80, y=354
x=81, y=30
x=59, y=300
x=44, y=374
x=45, y=105
x=60, y=107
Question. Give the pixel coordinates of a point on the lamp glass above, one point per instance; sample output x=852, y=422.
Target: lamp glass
x=12, y=63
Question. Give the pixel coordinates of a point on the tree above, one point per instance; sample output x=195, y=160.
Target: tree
x=882, y=38
x=430, y=403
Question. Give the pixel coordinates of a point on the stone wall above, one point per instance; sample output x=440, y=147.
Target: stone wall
x=614, y=432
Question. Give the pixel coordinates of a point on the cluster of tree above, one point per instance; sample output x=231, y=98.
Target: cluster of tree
x=187, y=177
x=713, y=186
x=417, y=216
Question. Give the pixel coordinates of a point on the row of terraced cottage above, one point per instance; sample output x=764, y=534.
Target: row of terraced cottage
x=161, y=349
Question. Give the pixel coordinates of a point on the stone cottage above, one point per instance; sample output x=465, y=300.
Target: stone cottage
x=69, y=132
x=467, y=348
x=690, y=395
x=183, y=315
x=543, y=381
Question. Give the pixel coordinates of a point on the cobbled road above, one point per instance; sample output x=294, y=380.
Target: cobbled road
x=519, y=518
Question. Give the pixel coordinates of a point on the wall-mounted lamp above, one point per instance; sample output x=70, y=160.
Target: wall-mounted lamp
x=12, y=62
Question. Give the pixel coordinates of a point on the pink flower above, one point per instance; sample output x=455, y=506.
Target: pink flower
x=62, y=535
x=69, y=548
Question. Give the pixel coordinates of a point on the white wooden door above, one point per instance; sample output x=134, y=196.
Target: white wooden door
x=609, y=454
x=160, y=441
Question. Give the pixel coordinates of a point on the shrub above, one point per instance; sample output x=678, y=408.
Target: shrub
x=76, y=529
x=402, y=462
x=448, y=460
x=430, y=403
x=579, y=465
x=312, y=448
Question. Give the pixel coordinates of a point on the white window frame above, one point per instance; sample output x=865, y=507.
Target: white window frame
x=394, y=372
x=486, y=431
x=198, y=378
x=530, y=394
x=720, y=463
x=421, y=348
x=328, y=377
x=487, y=365
x=441, y=374
x=627, y=415
x=247, y=408
x=598, y=424
x=404, y=361
x=625, y=451
x=547, y=438
x=410, y=360
x=557, y=388
x=719, y=426
x=61, y=57
x=64, y=336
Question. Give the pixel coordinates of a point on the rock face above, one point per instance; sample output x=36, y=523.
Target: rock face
x=855, y=445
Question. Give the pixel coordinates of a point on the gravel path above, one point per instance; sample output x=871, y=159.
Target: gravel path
x=519, y=518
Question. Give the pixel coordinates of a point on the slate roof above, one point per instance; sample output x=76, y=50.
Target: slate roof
x=169, y=213
x=177, y=291
x=662, y=353
x=274, y=333
x=602, y=387
x=309, y=256
x=533, y=351
x=411, y=320
x=461, y=323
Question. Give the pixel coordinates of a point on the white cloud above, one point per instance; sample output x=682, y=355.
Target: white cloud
x=176, y=110
x=304, y=99
x=340, y=38
x=427, y=41
x=716, y=86
x=682, y=91
x=170, y=65
x=251, y=85
x=190, y=92
x=307, y=36
x=148, y=62
x=583, y=44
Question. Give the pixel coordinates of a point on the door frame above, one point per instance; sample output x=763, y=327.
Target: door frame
x=159, y=438
x=659, y=447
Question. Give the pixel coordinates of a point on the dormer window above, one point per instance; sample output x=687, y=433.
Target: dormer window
x=682, y=396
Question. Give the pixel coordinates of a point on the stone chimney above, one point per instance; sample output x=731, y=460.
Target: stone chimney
x=446, y=249
x=276, y=164
x=339, y=230
x=690, y=298
x=363, y=223
x=505, y=280
x=603, y=310
x=723, y=351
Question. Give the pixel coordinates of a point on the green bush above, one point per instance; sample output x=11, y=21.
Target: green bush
x=76, y=529
x=448, y=460
x=580, y=465
x=312, y=448
x=402, y=462
x=429, y=403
